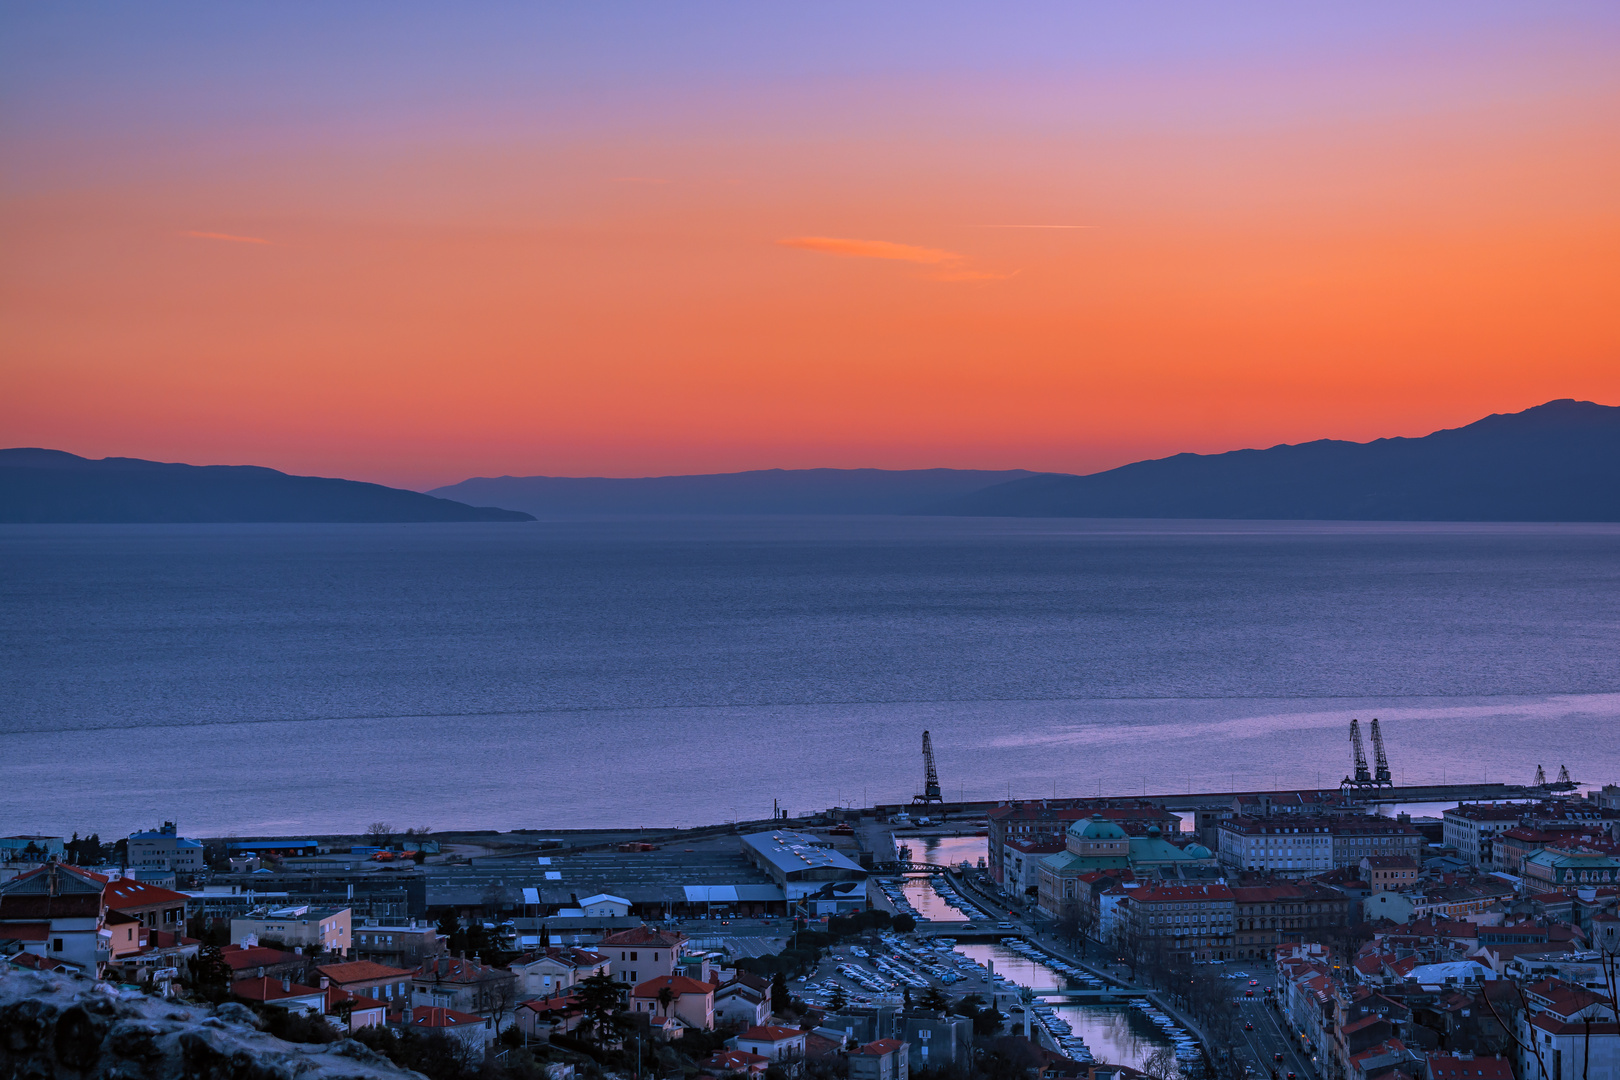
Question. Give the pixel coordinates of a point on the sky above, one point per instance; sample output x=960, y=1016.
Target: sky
x=414, y=243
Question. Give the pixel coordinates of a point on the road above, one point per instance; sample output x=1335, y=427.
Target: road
x=1270, y=1038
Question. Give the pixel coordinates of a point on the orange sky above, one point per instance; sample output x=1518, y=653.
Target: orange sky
x=815, y=268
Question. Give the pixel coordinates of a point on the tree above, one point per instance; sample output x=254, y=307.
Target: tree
x=379, y=833
x=780, y=998
x=449, y=925
x=934, y=1000
x=988, y=1021
x=598, y=998
x=666, y=998
x=839, y=999
x=209, y=972
x=1160, y=1065
x=904, y=924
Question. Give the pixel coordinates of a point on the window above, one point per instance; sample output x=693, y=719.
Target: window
x=56, y=944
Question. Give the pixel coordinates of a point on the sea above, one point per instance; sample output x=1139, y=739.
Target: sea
x=280, y=679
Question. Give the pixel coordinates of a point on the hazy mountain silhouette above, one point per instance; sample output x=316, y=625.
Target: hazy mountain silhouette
x=1555, y=462
x=764, y=491
x=53, y=486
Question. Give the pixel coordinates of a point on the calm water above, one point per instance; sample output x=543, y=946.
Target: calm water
x=286, y=678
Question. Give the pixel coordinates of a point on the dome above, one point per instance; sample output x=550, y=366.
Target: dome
x=1198, y=851
x=1098, y=828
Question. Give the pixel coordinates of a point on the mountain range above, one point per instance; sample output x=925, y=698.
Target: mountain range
x=1554, y=462
x=763, y=491
x=42, y=486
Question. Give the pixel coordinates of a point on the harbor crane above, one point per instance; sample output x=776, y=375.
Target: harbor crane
x=930, y=791
x=1363, y=778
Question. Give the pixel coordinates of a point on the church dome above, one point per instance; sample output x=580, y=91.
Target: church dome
x=1098, y=828
x=1198, y=851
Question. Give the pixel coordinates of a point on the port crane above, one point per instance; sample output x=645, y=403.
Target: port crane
x=1363, y=778
x=930, y=791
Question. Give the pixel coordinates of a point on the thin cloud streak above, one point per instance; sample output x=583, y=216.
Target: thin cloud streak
x=870, y=249
x=226, y=236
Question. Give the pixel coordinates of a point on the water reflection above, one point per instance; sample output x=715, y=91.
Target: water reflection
x=1117, y=1034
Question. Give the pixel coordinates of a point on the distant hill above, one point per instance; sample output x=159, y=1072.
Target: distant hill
x=1556, y=462
x=50, y=486
x=765, y=491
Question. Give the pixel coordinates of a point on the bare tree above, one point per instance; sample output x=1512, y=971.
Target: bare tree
x=379, y=832
x=1160, y=1065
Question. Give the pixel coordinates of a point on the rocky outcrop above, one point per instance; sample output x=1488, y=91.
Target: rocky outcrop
x=68, y=1027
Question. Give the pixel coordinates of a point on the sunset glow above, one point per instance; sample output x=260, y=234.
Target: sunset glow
x=416, y=247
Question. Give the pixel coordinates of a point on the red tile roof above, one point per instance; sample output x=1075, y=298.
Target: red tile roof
x=456, y=970
x=1447, y=1067
x=125, y=893
x=362, y=971
x=770, y=1033
x=242, y=957
x=644, y=935
x=25, y=931
x=678, y=985
x=729, y=1061
x=879, y=1048
x=432, y=1016
x=269, y=989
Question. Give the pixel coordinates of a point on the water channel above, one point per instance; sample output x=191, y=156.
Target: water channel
x=1119, y=1034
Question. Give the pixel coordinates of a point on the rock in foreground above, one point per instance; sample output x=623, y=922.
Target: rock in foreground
x=68, y=1027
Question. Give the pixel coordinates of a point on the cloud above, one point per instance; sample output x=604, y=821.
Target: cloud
x=949, y=265
x=870, y=249
x=225, y=236
x=965, y=274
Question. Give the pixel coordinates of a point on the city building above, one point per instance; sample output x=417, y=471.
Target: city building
x=783, y=1046
x=1386, y=873
x=1047, y=822
x=282, y=993
x=642, y=953
x=461, y=985
x=1556, y=869
x=259, y=961
x=298, y=926
x=403, y=944
x=1020, y=865
x=1285, y=913
x=363, y=978
x=31, y=848
x=152, y=906
x=691, y=1003
x=57, y=912
x=745, y=1001
x=1098, y=844
x=1188, y=921
x=474, y=1032
x=1471, y=828
x=162, y=849
x=553, y=970
x=814, y=877
x=885, y=1059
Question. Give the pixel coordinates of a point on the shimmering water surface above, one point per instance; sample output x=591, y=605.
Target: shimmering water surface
x=287, y=678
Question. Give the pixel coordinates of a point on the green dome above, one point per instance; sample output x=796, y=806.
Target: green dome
x=1098, y=828
x=1198, y=851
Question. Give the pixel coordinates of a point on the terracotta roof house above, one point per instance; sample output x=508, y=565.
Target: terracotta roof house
x=67, y=901
x=155, y=907
x=885, y=1059
x=475, y=1031
x=691, y=1002
x=281, y=992
x=1456, y=1066
x=553, y=970
x=642, y=953
x=388, y=984
x=259, y=961
x=458, y=984
x=727, y=1062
